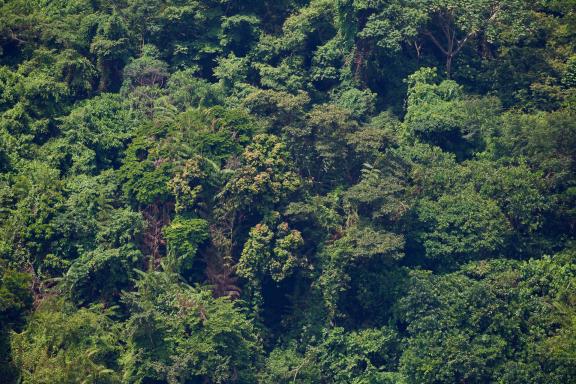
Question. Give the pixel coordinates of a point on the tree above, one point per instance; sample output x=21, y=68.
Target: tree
x=561, y=344
x=111, y=47
x=455, y=23
x=365, y=356
x=183, y=237
x=329, y=125
x=461, y=227
x=265, y=176
x=272, y=251
x=177, y=333
x=449, y=25
x=186, y=89
x=96, y=133
x=440, y=114
x=67, y=345
x=472, y=325
x=15, y=303
x=102, y=274
x=146, y=70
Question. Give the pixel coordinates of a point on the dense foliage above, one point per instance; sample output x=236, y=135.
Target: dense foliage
x=287, y=191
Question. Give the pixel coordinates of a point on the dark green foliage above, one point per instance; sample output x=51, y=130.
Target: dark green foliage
x=95, y=134
x=65, y=345
x=101, y=274
x=183, y=236
x=488, y=322
x=177, y=333
x=15, y=302
x=461, y=227
x=367, y=356
x=287, y=191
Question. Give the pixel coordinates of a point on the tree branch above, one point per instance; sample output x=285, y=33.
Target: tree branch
x=436, y=42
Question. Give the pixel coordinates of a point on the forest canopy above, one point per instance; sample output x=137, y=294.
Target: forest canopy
x=287, y=191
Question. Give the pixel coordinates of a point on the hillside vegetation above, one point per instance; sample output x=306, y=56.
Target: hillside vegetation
x=287, y=191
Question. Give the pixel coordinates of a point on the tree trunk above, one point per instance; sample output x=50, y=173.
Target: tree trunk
x=449, y=58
